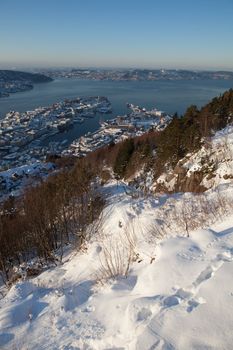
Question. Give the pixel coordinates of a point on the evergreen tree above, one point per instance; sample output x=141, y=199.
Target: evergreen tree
x=123, y=157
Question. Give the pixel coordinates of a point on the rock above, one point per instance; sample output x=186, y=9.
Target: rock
x=180, y=170
x=228, y=176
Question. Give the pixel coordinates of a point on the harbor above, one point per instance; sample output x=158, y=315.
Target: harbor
x=23, y=135
x=135, y=123
x=24, y=152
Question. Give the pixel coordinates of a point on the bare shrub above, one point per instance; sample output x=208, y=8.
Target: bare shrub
x=157, y=230
x=117, y=255
x=196, y=211
x=227, y=148
x=47, y=217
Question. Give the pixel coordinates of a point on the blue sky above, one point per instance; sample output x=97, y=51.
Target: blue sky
x=116, y=33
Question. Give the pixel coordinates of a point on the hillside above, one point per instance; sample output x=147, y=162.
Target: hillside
x=131, y=286
x=14, y=81
x=128, y=248
x=12, y=75
x=201, y=170
x=139, y=74
x=162, y=154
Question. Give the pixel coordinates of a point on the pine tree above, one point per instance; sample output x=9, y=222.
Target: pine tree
x=123, y=157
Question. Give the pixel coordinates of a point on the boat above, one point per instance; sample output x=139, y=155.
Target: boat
x=88, y=115
x=78, y=120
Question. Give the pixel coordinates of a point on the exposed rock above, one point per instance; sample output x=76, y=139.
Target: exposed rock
x=170, y=177
x=210, y=176
x=228, y=176
x=179, y=181
x=179, y=169
x=33, y=272
x=191, y=183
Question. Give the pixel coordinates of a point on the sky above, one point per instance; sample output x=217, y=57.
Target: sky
x=188, y=34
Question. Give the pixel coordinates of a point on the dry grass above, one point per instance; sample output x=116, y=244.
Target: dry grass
x=117, y=255
x=192, y=213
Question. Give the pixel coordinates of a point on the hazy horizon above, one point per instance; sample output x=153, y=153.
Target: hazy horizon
x=63, y=67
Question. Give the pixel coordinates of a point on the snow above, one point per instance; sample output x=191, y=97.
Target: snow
x=14, y=180
x=33, y=168
x=178, y=294
x=219, y=152
x=214, y=159
x=173, y=287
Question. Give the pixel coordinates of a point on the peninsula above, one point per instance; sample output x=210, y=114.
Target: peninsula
x=16, y=81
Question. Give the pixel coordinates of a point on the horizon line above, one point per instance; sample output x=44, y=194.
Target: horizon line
x=60, y=67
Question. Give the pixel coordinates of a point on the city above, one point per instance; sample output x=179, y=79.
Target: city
x=116, y=175
x=23, y=154
x=137, y=74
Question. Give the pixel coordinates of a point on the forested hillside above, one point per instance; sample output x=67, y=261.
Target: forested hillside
x=161, y=151
x=13, y=75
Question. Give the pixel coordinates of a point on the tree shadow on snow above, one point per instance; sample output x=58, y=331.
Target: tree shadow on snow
x=5, y=338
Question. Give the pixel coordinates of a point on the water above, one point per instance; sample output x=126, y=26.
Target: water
x=169, y=96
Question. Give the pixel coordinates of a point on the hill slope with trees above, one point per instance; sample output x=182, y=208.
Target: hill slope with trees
x=13, y=75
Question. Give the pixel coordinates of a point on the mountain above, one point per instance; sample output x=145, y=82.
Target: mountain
x=140, y=74
x=12, y=76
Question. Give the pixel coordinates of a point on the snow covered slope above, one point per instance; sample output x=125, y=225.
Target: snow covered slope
x=178, y=293
x=210, y=166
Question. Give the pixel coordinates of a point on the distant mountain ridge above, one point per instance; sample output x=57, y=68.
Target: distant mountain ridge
x=138, y=74
x=12, y=75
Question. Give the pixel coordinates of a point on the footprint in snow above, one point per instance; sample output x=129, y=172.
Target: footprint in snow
x=170, y=301
x=192, y=304
x=225, y=256
x=144, y=314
